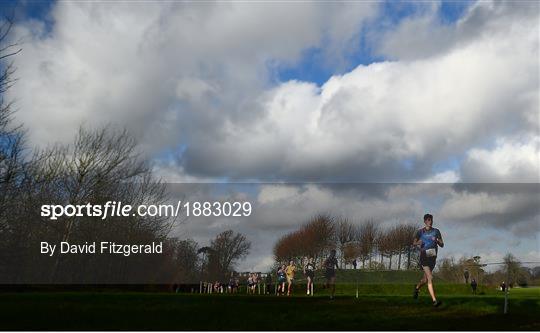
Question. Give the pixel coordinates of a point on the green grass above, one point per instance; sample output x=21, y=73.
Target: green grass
x=163, y=311
x=369, y=277
x=377, y=277
x=525, y=292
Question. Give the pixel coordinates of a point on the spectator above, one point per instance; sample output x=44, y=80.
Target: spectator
x=268, y=283
x=474, y=285
x=354, y=263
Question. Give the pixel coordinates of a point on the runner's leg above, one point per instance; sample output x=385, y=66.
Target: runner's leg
x=423, y=281
x=429, y=277
x=289, y=289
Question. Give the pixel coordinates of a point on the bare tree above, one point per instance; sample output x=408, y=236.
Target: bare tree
x=515, y=273
x=11, y=135
x=351, y=251
x=185, y=260
x=227, y=248
x=12, y=162
x=345, y=232
x=367, y=235
x=314, y=239
x=386, y=244
x=101, y=165
x=401, y=235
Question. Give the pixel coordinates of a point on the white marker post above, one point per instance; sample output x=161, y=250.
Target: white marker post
x=357, y=285
x=507, y=285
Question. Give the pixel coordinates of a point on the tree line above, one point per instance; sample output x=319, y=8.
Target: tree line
x=510, y=270
x=372, y=246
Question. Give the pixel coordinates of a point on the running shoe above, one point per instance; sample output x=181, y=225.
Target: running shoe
x=415, y=294
x=436, y=304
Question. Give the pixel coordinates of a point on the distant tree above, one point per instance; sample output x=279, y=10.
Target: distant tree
x=404, y=235
x=536, y=272
x=313, y=239
x=227, y=248
x=512, y=267
x=345, y=233
x=449, y=270
x=185, y=260
x=385, y=245
x=101, y=165
x=322, y=227
x=367, y=235
x=351, y=251
x=473, y=267
x=517, y=274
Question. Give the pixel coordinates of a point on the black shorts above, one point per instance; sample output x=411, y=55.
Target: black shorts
x=330, y=273
x=310, y=274
x=428, y=261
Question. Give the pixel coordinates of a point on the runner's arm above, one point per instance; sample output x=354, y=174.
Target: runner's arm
x=439, y=240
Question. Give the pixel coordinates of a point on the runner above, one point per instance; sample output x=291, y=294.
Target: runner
x=330, y=264
x=230, y=287
x=250, y=284
x=291, y=269
x=281, y=280
x=256, y=280
x=309, y=272
x=428, y=239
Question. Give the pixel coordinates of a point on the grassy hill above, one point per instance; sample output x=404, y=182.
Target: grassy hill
x=397, y=283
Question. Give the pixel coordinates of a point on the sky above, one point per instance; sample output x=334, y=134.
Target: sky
x=428, y=98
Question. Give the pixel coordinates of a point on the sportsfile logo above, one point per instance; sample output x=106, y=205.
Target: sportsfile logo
x=117, y=209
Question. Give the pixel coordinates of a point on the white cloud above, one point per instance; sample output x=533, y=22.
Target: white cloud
x=258, y=264
x=509, y=161
x=199, y=75
x=162, y=69
x=449, y=176
x=468, y=206
x=288, y=206
x=364, y=124
x=423, y=36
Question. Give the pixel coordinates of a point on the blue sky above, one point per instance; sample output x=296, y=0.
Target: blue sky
x=313, y=68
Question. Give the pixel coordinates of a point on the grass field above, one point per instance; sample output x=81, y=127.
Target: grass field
x=164, y=311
